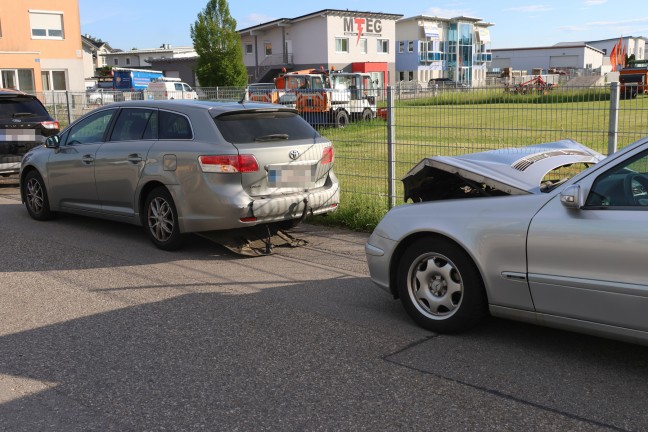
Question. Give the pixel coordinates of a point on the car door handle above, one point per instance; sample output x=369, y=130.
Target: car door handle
x=87, y=159
x=134, y=158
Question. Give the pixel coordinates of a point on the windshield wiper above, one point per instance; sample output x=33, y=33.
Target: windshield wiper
x=272, y=137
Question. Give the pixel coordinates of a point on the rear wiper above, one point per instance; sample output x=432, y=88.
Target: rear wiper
x=272, y=137
x=24, y=114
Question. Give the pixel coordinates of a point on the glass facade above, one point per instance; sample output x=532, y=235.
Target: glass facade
x=460, y=51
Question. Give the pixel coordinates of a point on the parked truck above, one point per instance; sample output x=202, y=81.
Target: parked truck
x=350, y=96
x=323, y=97
x=634, y=79
x=133, y=80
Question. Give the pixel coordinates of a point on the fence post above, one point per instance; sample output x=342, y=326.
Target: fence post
x=69, y=110
x=613, y=129
x=53, y=103
x=391, y=148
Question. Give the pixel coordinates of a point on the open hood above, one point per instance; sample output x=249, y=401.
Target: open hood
x=510, y=171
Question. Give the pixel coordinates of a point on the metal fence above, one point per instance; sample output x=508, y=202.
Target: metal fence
x=371, y=156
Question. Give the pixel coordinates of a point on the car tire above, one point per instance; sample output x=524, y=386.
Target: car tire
x=367, y=115
x=161, y=220
x=440, y=286
x=35, y=196
x=341, y=119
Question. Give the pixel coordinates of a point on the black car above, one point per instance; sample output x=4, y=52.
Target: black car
x=445, y=83
x=24, y=124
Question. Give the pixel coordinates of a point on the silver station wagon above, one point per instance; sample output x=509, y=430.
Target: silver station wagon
x=179, y=167
x=552, y=234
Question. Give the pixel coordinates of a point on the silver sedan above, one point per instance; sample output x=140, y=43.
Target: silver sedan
x=522, y=234
x=179, y=167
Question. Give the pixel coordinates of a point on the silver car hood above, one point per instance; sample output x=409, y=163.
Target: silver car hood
x=509, y=171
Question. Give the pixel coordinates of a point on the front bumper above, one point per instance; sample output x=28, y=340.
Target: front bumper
x=379, y=251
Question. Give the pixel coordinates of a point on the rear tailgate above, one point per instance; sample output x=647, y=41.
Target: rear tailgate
x=292, y=157
x=24, y=124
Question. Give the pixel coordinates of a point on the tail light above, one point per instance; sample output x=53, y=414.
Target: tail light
x=51, y=125
x=327, y=155
x=228, y=163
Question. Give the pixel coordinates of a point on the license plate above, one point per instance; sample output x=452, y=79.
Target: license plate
x=18, y=135
x=290, y=176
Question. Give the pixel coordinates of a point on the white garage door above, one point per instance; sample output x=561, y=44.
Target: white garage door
x=564, y=61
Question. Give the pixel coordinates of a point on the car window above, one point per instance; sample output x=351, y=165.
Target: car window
x=178, y=86
x=133, y=124
x=91, y=129
x=174, y=126
x=260, y=126
x=625, y=185
x=186, y=87
x=21, y=106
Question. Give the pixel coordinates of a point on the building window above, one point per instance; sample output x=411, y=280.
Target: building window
x=268, y=48
x=363, y=46
x=383, y=46
x=401, y=46
x=116, y=62
x=410, y=46
x=411, y=75
x=248, y=49
x=46, y=25
x=342, y=45
x=127, y=61
x=53, y=80
x=19, y=79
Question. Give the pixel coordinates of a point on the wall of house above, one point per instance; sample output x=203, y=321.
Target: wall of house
x=21, y=50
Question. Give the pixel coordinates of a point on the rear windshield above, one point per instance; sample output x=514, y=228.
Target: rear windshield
x=20, y=106
x=256, y=126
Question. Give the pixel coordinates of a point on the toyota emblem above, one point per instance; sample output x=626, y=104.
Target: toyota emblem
x=294, y=154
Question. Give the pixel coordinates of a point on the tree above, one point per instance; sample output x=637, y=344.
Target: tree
x=220, y=56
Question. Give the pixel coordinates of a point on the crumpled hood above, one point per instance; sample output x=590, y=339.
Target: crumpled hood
x=509, y=171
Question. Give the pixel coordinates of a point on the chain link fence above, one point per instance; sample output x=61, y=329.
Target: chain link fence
x=413, y=122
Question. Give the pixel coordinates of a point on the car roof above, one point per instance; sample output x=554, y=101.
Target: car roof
x=513, y=170
x=12, y=92
x=216, y=108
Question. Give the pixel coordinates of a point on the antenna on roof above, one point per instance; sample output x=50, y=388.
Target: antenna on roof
x=242, y=98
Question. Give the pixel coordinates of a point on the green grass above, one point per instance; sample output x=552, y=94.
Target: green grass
x=466, y=122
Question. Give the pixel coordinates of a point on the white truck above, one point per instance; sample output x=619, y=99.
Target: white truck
x=350, y=96
x=169, y=88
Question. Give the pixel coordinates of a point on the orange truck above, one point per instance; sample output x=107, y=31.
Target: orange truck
x=634, y=79
x=322, y=97
x=285, y=87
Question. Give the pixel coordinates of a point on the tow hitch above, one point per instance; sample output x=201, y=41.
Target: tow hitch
x=254, y=241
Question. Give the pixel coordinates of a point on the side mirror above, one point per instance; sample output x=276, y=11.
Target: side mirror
x=572, y=197
x=53, y=142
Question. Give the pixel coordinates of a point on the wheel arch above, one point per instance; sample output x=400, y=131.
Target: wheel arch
x=408, y=241
x=144, y=192
x=23, y=174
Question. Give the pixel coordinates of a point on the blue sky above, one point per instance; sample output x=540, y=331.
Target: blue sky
x=140, y=24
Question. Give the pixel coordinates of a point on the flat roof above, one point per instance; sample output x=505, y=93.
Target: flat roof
x=323, y=12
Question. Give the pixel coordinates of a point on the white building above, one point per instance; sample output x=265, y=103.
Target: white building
x=94, y=52
x=140, y=58
x=635, y=46
x=341, y=39
x=561, y=56
x=432, y=47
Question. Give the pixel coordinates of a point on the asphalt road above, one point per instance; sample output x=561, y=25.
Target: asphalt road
x=101, y=331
